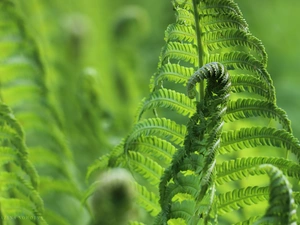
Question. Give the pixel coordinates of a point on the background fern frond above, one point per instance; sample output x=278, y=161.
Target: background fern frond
x=19, y=179
x=282, y=208
x=24, y=89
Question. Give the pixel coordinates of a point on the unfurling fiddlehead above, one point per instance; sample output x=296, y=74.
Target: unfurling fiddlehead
x=190, y=177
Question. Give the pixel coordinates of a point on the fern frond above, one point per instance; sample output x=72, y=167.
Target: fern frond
x=158, y=126
x=223, y=7
x=155, y=148
x=213, y=22
x=170, y=99
x=147, y=200
x=99, y=164
x=178, y=32
x=18, y=178
x=236, y=140
x=242, y=167
x=282, y=209
x=12, y=181
x=183, y=210
x=246, y=108
x=238, y=198
x=184, y=17
x=180, y=51
x=214, y=36
x=20, y=210
x=247, y=63
x=171, y=72
x=251, y=84
x=147, y=168
x=234, y=38
x=24, y=89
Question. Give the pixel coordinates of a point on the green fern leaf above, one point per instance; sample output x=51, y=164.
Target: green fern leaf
x=166, y=98
x=238, y=198
x=158, y=126
x=155, y=148
x=223, y=7
x=146, y=167
x=184, y=17
x=171, y=72
x=246, y=108
x=250, y=84
x=282, y=209
x=242, y=167
x=258, y=136
x=177, y=32
x=18, y=178
x=181, y=52
x=147, y=200
x=213, y=22
x=245, y=62
x=20, y=210
x=183, y=210
x=234, y=38
x=12, y=181
x=100, y=164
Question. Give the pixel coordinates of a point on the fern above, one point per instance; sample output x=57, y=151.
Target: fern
x=282, y=209
x=208, y=129
x=20, y=200
x=234, y=116
x=26, y=92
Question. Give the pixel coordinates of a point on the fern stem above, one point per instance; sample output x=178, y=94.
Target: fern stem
x=200, y=50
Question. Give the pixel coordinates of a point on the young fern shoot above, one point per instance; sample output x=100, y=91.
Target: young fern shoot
x=195, y=162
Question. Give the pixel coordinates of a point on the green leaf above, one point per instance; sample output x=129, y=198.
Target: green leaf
x=242, y=167
x=282, y=209
x=245, y=108
x=236, y=140
x=155, y=148
x=147, y=200
x=166, y=98
x=238, y=198
x=158, y=126
x=181, y=51
x=146, y=167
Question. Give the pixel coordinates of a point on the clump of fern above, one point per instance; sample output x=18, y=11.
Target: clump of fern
x=24, y=89
x=20, y=200
x=168, y=174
